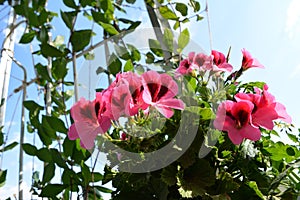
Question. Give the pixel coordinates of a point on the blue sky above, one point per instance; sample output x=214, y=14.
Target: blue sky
x=269, y=29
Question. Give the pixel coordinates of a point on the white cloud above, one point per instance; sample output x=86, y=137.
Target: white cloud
x=292, y=25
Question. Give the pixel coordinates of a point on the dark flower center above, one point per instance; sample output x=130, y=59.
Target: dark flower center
x=242, y=118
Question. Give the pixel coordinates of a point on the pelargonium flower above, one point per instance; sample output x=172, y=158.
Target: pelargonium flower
x=248, y=61
x=266, y=108
x=124, y=96
x=220, y=63
x=194, y=61
x=203, y=62
x=86, y=124
x=159, y=92
x=186, y=66
x=235, y=118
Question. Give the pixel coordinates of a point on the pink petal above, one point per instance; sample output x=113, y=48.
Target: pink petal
x=235, y=136
x=104, y=123
x=87, y=133
x=251, y=133
x=172, y=103
x=282, y=114
x=165, y=111
x=72, y=133
x=223, y=123
x=264, y=117
x=168, y=82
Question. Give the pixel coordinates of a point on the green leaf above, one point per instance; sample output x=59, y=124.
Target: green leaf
x=96, y=176
x=167, y=13
x=79, y=154
x=168, y=39
x=199, y=17
x=183, y=40
x=49, y=131
x=204, y=113
x=85, y=3
x=176, y=25
x=86, y=173
x=122, y=52
x=68, y=146
x=293, y=137
x=57, y=158
x=44, y=155
x=130, y=1
x=290, y=151
x=115, y=64
x=49, y=172
x=196, y=5
x=32, y=106
x=1, y=135
x=134, y=25
x=168, y=175
x=80, y=39
x=155, y=47
x=50, y=51
x=109, y=28
x=27, y=37
x=89, y=56
x=128, y=66
x=226, y=153
x=29, y=149
x=42, y=72
x=3, y=174
x=103, y=189
x=52, y=190
x=20, y=9
x=56, y=124
x=253, y=185
x=59, y=69
x=68, y=18
x=9, y=147
x=70, y=4
x=99, y=17
x=43, y=36
x=182, y=8
x=149, y=58
x=46, y=140
x=33, y=19
x=135, y=54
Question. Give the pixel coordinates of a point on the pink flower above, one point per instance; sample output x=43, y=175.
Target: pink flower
x=124, y=96
x=194, y=61
x=266, y=108
x=185, y=66
x=135, y=86
x=203, y=62
x=159, y=92
x=86, y=125
x=220, y=63
x=248, y=61
x=235, y=118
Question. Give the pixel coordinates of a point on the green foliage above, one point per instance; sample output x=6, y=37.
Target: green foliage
x=183, y=40
x=226, y=172
x=2, y=177
x=80, y=39
x=167, y=13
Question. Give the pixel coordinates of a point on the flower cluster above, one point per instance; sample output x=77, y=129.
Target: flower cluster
x=126, y=96
x=243, y=117
x=246, y=113
x=201, y=63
